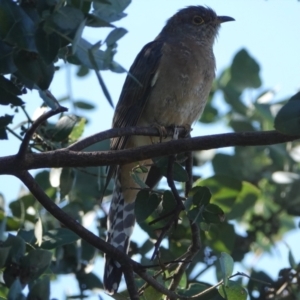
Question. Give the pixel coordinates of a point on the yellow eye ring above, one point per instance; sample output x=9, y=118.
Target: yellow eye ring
x=197, y=20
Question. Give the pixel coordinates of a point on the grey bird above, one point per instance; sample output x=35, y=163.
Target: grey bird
x=173, y=77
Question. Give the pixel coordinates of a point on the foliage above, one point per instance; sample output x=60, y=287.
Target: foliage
x=256, y=187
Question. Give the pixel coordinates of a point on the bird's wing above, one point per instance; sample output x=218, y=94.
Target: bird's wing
x=135, y=93
x=136, y=90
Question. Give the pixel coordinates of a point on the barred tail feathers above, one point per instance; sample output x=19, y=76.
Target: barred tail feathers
x=121, y=220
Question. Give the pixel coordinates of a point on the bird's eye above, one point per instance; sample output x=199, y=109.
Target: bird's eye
x=197, y=20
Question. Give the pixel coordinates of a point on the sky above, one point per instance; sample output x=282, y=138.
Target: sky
x=269, y=30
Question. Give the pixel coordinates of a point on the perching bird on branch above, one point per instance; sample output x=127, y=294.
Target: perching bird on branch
x=168, y=85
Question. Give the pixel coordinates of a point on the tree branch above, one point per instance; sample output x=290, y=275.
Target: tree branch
x=66, y=158
x=88, y=236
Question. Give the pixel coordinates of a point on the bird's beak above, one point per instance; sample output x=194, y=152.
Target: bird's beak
x=223, y=19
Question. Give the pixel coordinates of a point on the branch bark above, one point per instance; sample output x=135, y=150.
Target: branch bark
x=67, y=158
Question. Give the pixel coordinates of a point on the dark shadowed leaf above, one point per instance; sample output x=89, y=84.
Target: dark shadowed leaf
x=84, y=105
x=287, y=120
x=16, y=27
x=58, y=237
x=63, y=128
x=34, y=68
x=112, y=11
x=145, y=204
x=244, y=71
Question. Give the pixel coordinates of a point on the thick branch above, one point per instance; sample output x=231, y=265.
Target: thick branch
x=65, y=158
x=91, y=238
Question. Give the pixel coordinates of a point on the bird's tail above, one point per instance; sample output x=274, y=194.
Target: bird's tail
x=120, y=223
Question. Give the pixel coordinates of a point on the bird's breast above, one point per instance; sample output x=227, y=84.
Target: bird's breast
x=180, y=87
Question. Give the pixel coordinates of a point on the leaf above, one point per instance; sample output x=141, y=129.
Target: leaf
x=8, y=98
x=287, y=121
x=83, y=105
x=38, y=231
x=135, y=175
x=62, y=128
x=179, y=173
x=40, y=290
x=201, y=195
x=196, y=288
x=168, y=202
x=88, y=281
x=4, y=121
x=213, y=214
x=111, y=11
x=16, y=27
x=15, y=290
x=4, y=251
x=17, y=249
x=67, y=178
x=292, y=260
x=227, y=264
x=234, y=291
x=145, y=204
x=35, y=263
x=114, y=36
x=244, y=71
x=64, y=21
x=7, y=65
x=58, y=237
x=34, y=68
x=9, y=86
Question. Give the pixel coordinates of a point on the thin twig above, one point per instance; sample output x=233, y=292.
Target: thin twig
x=33, y=128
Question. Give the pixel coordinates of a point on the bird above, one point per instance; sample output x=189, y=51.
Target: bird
x=168, y=85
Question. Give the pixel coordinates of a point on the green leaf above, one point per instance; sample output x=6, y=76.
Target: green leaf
x=224, y=190
x=111, y=11
x=227, y=265
x=4, y=121
x=145, y=204
x=17, y=248
x=168, y=202
x=58, y=237
x=244, y=72
x=67, y=178
x=83, y=105
x=213, y=214
x=196, y=288
x=135, y=175
x=35, y=264
x=62, y=128
x=234, y=291
x=201, y=195
x=287, y=120
x=179, y=173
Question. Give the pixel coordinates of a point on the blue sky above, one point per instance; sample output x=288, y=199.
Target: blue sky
x=269, y=30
